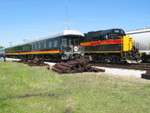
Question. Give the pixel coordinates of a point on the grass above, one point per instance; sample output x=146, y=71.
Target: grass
x=25, y=89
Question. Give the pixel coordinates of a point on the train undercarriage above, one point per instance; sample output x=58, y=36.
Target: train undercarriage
x=114, y=58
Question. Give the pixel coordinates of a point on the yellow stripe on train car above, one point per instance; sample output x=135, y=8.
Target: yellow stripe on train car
x=11, y=53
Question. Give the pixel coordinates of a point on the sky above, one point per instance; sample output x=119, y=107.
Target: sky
x=23, y=20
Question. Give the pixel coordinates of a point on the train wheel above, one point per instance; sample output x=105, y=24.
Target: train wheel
x=106, y=59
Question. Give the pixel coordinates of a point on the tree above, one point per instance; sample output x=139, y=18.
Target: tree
x=1, y=47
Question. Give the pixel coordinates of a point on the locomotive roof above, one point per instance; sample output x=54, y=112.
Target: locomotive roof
x=105, y=32
x=66, y=32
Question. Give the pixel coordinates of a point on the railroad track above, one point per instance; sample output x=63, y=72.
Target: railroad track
x=141, y=66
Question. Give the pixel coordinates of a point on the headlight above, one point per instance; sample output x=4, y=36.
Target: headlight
x=75, y=48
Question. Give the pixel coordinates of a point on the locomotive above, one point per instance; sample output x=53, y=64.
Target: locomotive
x=60, y=46
x=110, y=46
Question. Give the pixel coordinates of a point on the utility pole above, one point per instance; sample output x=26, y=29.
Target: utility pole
x=10, y=43
x=67, y=15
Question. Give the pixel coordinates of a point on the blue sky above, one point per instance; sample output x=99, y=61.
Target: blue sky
x=30, y=19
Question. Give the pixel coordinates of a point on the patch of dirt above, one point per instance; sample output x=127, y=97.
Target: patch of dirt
x=32, y=95
x=68, y=110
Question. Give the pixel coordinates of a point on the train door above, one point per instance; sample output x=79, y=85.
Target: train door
x=76, y=45
x=66, y=48
x=78, y=50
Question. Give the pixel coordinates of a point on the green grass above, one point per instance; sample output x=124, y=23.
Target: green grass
x=25, y=89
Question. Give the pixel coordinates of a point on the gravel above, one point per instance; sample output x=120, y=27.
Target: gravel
x=124, y=72
x=114, y=71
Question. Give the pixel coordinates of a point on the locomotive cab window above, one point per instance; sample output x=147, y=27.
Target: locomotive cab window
x=116, y=31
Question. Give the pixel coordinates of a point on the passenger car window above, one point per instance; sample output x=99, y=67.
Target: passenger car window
x=36, y=46
x=39, y=45
x=64, y=42
x=44, y=44
x=55, y=43
x=33, y=46
x=50, y=44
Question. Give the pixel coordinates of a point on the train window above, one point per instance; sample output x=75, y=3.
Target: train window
x=44, y=44
x=122, y=33
x=36, y=46
x=70, y=41
x=116, y=31
x=32, y=46
x=106, y=37
x=76, y=41
x=50, y=44
x=55, y=43
x=64, y=42
x=24, y=48
x=27, y=48
x=39, y=45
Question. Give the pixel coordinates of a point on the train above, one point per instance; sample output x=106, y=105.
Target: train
x=2, y=51
x=55, y=47
x=110, y=46
x=141, y=40
x=107, y=46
